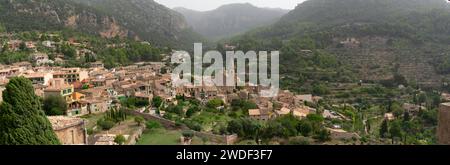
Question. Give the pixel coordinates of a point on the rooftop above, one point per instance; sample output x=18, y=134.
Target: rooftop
x=254, y=112
x=62, y=122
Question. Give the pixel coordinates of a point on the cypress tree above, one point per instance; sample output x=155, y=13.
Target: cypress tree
x=384, y=128
x=22, y=120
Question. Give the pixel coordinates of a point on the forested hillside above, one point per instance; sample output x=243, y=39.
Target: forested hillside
x=135, y=19
x=372, y=40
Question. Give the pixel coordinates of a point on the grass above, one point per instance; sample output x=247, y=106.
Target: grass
x=163, y=136
x=160, y=137
x=209, y=119
x=92, y=119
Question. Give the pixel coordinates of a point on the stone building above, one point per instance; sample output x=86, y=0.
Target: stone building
x=443, y=131
x=70, y=131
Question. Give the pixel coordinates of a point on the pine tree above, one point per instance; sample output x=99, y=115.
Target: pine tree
x=22, y=120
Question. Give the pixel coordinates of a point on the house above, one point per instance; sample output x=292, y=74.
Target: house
x=98, y=82
x=283, y=111
x=25, y=65
x=94, y=92
x=302, y=111
x=445, y=96
x=71, y=75
x=412, y=108
x=143, y=96
x=389, y=116
x=48, y=44
x=258, y=114
x=69, y=130
x=39, y=78
x=229, y=47
x=30, y=45
x=286, y=97
x=327, y=114
x=77, y=108
x=97, y=64
x=304, y=98
x=59, y=87
x=96, y=105
x=41, y=59
x=8, y=72
x=350, y=43
x=14, y=45
x=341, y=134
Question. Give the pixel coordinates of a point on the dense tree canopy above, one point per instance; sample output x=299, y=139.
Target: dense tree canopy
x=55, y=105
x=22, y=120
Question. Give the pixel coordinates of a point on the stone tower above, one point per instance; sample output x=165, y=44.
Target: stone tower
x=443, y=130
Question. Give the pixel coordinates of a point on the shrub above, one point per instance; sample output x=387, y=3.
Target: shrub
x=188, y=134
x=299, y=141
x=139, y=120
x=119, y=139
x=105, y=124
x=153, y=124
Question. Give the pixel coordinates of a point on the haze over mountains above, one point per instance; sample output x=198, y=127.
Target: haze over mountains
x=229, y=20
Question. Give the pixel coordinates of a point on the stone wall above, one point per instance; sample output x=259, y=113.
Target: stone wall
x=136, y=135
x=443, y=130
x=72, y=135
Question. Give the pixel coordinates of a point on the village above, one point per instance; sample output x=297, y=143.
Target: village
x=143, y=95
x=93, y=91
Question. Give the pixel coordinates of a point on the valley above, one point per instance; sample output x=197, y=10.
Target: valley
x=352, y=72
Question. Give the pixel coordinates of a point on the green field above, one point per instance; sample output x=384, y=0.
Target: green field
x=160, y=137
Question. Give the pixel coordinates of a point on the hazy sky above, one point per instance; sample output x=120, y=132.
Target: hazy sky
x=204, y=5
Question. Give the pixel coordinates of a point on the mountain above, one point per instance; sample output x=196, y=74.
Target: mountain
x=375, y=40
x=138, y=19
x=229, y=20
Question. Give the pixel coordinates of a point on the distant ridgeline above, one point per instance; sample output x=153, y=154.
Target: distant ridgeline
x=230, y=20
x=349, y=40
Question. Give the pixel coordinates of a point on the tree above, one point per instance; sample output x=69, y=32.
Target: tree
x=55, y=105
x=396, y=131
x=320, y=89
x=120, y=139
x=68, y=51
x=157, y=101
x=188, y=134
x=214, y=103
x=406, y=116
x=139, y=120
x=384, y=129
x=22, y=46
x=323, y=135
x=190, y=112
x=22, y=120
x=106, y=124
x=305, y=128
x=316, y=121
